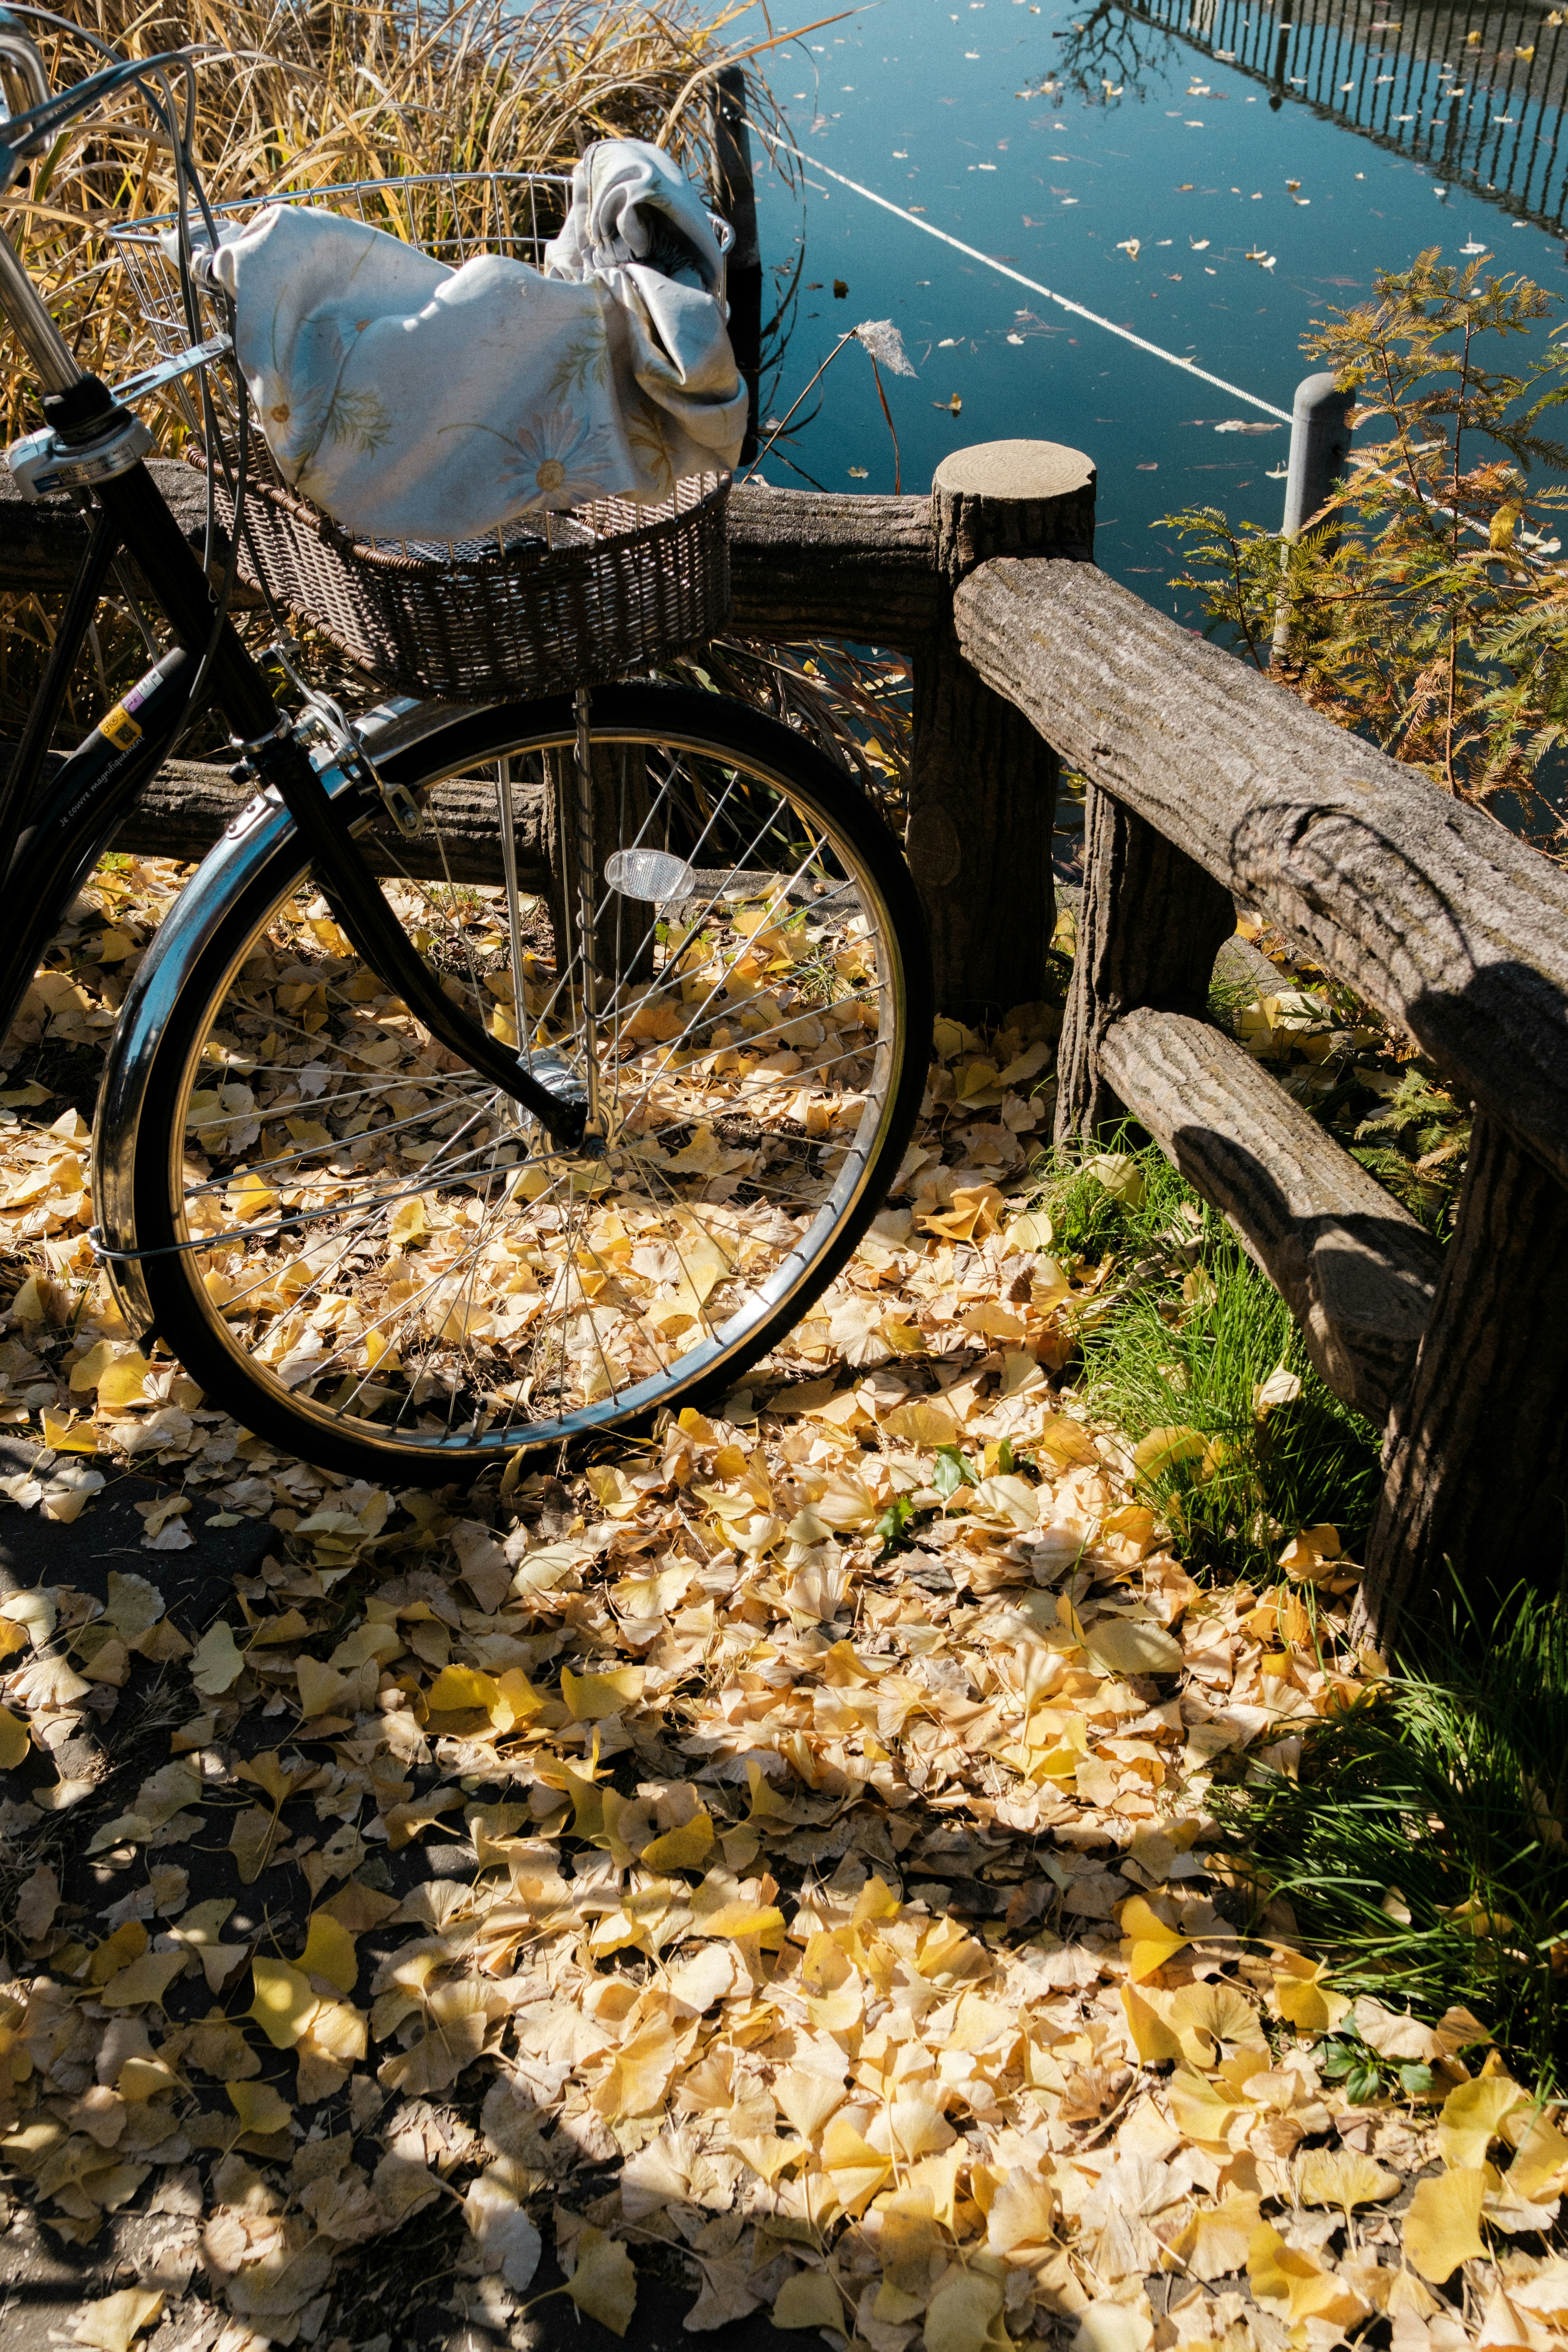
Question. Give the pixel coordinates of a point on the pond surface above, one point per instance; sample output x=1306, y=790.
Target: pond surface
x=1212, y=175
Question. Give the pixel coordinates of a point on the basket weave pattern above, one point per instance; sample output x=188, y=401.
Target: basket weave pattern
x=623, y=587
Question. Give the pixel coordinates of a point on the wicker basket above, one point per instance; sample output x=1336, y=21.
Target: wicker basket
x=538, y=606
x=615, y=587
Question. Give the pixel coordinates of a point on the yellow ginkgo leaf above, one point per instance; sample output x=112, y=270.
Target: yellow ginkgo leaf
x=1442, y=2227
x=216, y=1661
x=1147, y=1942
x=1218, y=2010
x=457, y=1688
x=1302, y=1996
x=144, y=1982
x=683, y=1848
x=740, y=1918
x=1132, y=1645
x=259, y=2107
x=284, y=2003
x=1152, y=2038
x=117, y=1951
x=407, y=1223
x=1104, y=2325
x=144, y=2078
x=1336, y=2177
x=1201, y=2110
x=768, y=2156
x=604, y=2284
x=329, y=1952
x=808, y=2299
x=1215, y=2241
x=1539, y=2167
x=320, y=1687
x=765, y=1805
x=962, y=2313
x=68, y=1438
x=844, y=2146
x=592, y=1698
x=1471, y=2116
x=517, y=1701
x=1163, y=1450
x=120, y=1382
x=13, y=1740
x=1285, y=2275
x=807, y=2098
x=837, y=2012
x=114, y=2324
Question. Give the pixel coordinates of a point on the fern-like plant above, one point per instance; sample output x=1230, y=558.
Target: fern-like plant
x=1426, y=610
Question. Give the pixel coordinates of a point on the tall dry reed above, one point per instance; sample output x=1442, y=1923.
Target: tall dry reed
x=334, y=90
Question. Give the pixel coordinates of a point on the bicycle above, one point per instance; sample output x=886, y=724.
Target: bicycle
x=411, y=1173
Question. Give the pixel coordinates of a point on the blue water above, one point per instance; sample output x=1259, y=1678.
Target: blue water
x=920, y=100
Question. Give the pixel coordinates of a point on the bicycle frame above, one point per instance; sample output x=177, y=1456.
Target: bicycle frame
x=50, y=841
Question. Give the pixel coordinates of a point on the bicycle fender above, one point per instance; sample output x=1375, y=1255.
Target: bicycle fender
x=261, y=831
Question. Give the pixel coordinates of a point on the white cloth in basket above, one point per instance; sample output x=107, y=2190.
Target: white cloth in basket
x=416, y=402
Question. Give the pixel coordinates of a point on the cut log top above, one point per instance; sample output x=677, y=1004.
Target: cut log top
x=1431, y=911
x=1011, y=497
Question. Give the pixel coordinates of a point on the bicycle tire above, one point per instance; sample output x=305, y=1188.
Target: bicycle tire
x=368, y=1411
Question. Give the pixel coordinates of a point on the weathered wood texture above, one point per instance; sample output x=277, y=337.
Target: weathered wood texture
x=982, y=792
x=983, y=780
x=1433, y=911
x=809, y=565
x=186, y=807
x=1359, y=1274
x=1150, y=925
x=40, y=546
x=1476, y=1461
x=801, y=564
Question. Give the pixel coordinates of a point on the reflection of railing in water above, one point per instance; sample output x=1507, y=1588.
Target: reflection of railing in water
x=1494, y=123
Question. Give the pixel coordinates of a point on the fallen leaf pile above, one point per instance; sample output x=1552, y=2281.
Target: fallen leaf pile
x=775, y=1860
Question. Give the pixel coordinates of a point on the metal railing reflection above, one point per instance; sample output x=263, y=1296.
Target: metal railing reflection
x=1476, y=93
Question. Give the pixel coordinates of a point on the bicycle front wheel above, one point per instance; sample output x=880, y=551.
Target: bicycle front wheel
x=684, y=919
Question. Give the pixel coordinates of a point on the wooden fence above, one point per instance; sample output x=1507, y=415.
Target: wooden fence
x=1209, y=787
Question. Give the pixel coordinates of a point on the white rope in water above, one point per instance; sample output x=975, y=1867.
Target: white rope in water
x=1155, y=351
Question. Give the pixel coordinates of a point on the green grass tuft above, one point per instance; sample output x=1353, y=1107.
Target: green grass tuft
x=1425, y=1843
x=1185, y=1332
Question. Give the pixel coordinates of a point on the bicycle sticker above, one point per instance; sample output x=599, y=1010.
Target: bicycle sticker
x=120, y=727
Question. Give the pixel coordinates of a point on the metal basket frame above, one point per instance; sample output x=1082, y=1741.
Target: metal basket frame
x=544, y=602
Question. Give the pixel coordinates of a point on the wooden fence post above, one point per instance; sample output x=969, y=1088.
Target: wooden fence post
x=1475, y=1459
x=1149, y=929
x=736, y=197
x=982, y=787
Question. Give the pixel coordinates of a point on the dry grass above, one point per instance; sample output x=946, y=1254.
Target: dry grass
x=340, y=91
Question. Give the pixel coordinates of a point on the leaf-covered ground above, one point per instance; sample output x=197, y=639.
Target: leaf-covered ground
x=769, y=1863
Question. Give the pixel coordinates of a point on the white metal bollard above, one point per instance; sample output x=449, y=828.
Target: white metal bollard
x=1319, y=448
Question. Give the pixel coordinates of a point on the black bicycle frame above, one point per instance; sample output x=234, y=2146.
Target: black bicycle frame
x=54, y=829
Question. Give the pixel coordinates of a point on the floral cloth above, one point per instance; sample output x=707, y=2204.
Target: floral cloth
x=416, y=402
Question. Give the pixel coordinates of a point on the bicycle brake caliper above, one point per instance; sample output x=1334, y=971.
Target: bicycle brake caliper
x=396, y=799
